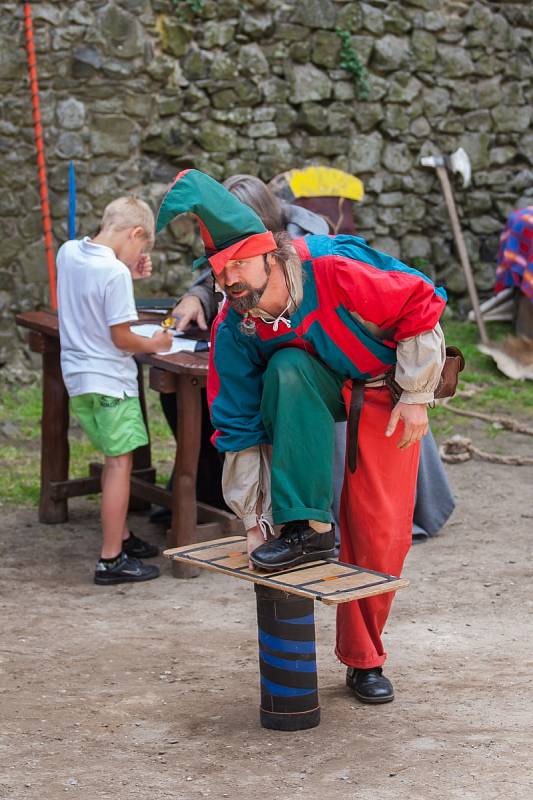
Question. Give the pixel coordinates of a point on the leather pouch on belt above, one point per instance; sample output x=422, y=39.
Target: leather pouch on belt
x=454, y=363
x=449, y=377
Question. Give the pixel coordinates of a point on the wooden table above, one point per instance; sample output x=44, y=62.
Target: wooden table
x=182, y=373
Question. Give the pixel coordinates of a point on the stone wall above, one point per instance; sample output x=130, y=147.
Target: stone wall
x=133, y=90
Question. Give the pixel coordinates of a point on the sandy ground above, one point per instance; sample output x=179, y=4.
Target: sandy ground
x=151, y=691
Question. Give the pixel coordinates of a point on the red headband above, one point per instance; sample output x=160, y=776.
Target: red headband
x=256, y=245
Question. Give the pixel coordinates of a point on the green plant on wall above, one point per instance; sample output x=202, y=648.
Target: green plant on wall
x=182, y=5
x=349, y=60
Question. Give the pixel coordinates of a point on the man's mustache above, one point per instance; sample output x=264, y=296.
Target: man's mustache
x=235, y=288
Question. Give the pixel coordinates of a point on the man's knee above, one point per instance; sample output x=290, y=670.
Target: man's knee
x=287, y=368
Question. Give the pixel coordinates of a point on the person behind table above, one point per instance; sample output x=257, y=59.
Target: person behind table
x=96, y=307
x=308, y=329
x=199, y=307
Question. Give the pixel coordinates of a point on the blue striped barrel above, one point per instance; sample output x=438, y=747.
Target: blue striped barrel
x=287, y=660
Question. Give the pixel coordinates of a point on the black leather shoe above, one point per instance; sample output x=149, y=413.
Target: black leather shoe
x=297, y=544
x=369, y=685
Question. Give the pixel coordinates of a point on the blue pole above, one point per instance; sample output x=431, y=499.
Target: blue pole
x=71, y=201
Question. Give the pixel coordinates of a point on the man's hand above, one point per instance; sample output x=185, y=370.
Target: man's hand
x=415, y=422
x=188, y=311
x=143, y=268
x=160, y=342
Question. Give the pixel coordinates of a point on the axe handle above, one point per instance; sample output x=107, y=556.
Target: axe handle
x=463, y=254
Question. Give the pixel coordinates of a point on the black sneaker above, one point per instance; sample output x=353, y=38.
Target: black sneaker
x=369, y=685
x=137, y=548
x=297, y=544
x=161, y=516
x=124, y=570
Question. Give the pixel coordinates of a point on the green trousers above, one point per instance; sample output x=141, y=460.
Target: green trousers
x=300, y=405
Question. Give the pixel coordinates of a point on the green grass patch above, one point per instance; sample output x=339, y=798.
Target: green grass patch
x=494, y=393
x=21, y=409
x=20, y=449
x=500, y=395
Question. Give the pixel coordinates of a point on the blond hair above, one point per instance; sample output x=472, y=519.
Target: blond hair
x=129, y=212
x=291, y=264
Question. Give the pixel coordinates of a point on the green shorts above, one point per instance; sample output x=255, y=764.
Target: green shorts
x=115, y=426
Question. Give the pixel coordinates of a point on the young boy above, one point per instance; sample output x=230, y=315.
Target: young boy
x=96, y=307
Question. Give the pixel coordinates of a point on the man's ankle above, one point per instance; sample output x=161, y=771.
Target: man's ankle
x=320, y=527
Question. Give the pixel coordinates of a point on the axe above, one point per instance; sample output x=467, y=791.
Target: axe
x=458, y=162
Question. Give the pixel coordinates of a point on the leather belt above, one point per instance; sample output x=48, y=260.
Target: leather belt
x=356, y=404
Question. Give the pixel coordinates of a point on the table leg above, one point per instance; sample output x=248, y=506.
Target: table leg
x=287, y=660
x=184, y=514
x=54, y=438
x=142, y=456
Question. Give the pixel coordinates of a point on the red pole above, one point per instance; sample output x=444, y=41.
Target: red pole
x=41, y=164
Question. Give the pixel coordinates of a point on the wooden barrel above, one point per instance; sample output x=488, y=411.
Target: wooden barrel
x=287, y=660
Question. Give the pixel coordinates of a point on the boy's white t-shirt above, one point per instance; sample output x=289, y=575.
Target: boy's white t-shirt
x=95, y=291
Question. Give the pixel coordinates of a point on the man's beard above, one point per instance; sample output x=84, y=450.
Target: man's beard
x=246, y=301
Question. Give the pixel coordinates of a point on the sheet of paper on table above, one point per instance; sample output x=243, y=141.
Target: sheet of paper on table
x=179, y=343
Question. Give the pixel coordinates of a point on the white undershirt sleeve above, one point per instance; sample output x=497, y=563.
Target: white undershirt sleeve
x=419, y=364
x=245, y=482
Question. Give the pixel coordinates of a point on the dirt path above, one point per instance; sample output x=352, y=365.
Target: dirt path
x=151, y=691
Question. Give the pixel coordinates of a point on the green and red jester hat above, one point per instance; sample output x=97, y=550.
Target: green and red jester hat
x=229, y=229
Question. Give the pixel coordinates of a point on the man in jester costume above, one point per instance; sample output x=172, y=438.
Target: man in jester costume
x=307, y=332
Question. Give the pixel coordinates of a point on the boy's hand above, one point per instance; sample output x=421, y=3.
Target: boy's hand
x=129, y=342
x=160, y=342
x=188, y=311
x=143, y=267
x=415, y=422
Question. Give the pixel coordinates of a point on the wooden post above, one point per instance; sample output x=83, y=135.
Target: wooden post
x=54, y=434
x=184, y=512
x=463, y=253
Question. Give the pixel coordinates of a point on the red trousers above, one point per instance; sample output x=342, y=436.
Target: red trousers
x=376, y=518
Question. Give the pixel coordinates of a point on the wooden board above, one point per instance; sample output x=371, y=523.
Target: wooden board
x=330, y=581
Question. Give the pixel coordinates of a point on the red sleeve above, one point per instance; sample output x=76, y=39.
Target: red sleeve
x=395, y=298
